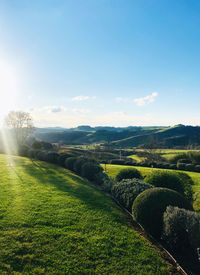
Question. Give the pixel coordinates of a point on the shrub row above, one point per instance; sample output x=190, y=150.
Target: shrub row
x=84, y=167
x=173, y=166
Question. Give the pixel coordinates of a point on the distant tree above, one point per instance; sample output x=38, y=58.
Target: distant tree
x=21, y=125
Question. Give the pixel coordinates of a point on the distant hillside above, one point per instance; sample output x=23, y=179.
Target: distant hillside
x=179, y=136
x=89, y=135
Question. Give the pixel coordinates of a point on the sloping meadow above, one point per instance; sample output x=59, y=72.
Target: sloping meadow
x=54, y=222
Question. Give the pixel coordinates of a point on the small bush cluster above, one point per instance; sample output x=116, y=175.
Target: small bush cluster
x=128, y=173
x=149, y=206
x=127, y=190
x=181, y=229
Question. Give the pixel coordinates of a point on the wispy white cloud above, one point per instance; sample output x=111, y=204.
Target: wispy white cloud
x=81, y=98
x=121, y=99
x=141, y=101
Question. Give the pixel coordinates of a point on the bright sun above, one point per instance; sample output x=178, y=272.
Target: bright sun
x=8, y=89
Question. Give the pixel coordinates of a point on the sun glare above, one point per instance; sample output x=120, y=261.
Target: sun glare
x=8, y=89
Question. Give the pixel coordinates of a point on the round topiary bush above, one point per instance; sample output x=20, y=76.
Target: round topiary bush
x=149, y=206
x=185, y=178
x=128, y=173
x=42, y=155
x=78, y=164
x=52, y=157
x=127, y=190
x=165, y=179
x=69, y=163
x=62, y=157
x=91, y=171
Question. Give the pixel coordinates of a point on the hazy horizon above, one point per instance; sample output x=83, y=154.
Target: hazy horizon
x=101, y=63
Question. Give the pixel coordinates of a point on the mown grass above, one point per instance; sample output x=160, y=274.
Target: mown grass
x=113, y=170
x=54, y=222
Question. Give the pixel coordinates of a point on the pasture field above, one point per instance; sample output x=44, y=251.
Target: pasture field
x=113, y=170
x=166, y=153
x=54, y=222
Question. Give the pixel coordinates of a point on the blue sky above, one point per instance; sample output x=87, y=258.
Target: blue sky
x=101, y=62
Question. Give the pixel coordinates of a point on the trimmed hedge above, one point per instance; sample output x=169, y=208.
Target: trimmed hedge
x=78, y=164
x=166, y=179
x=91, y=171
x=181, y=229
x=128, y=173
x=127, y=190
x=52, y=157
x=149, y=206
x=181, y=166
x=62, y=157
x=69, y=163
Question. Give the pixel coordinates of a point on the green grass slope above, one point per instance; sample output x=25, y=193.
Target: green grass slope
x=113, y=170
x=54, y=222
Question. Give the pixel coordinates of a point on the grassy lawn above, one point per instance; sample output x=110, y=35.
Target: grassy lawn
x=113, y=170
x=54, y=222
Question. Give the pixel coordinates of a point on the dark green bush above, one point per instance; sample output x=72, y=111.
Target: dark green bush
x=127, y=190
x=23, y=150
x=181, y=229
x=149, y=206
x=185, y=178
x=186, y=161
x=69, y=163
x=181, y=166
x=128, y=173
x=165, y=179
x=91, y=171
x=52, y=157
x=62, y=157
x=42, y=155
x=189, y=167
x=78, y=164
x=172, y=166
x=176, y=158
x=118, y=161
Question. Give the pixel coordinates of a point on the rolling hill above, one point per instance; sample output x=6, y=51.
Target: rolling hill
x=179, y=136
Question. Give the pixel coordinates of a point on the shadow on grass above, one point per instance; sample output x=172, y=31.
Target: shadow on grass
x=76, y=187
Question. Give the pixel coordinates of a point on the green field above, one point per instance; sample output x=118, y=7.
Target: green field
x=113, y=170
x=165, y=153
x=54, y=222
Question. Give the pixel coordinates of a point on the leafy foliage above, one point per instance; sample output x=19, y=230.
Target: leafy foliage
x=127, y=190
x=181, y=229
x=166, y=179
x=69, y=163
x=128, y=173
x=91, y=171
x=149, y=206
